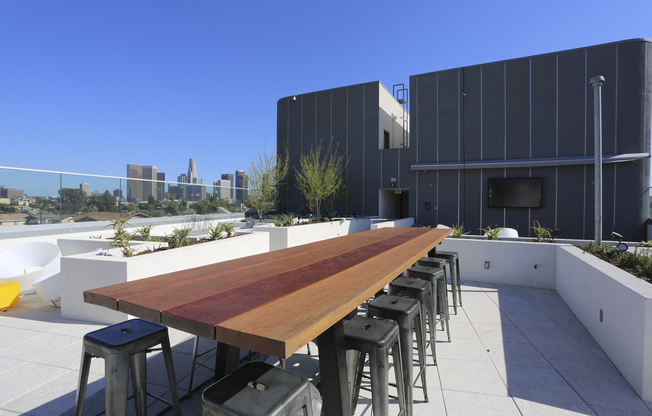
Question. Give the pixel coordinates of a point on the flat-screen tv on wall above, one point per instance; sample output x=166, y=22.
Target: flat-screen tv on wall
x=515, y=192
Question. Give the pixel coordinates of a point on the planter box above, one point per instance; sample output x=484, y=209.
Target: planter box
x=404, y=222
x=284, y=237
x=88, y=271
x=587, y=285
x=510, y=262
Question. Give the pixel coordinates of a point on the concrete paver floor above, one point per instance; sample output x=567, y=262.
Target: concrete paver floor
x=514, y=351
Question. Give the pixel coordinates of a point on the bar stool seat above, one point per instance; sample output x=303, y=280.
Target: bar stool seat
x=374, y=337
x=406, y=312
x=436, y=276
x=443, y=264
x=258, y=389
x=420, y=290
x=124, y=346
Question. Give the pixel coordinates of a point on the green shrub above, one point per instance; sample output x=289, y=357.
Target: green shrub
x=179, y=237
x=458, y=230
x=543, y=235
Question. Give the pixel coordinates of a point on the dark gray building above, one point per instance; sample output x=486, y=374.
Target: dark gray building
x=527, y=120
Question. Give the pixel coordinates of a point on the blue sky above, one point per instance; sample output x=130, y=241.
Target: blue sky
x=90, y=86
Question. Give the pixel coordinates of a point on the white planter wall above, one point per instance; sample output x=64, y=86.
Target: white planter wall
x=588, y=285
x=509, y=262
x=285, y=237
x=89, y=271
x=405, y=222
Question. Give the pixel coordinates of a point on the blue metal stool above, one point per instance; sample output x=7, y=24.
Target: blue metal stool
x=420, y=290
x=437, y=277
x=258, y=389
x=125, y=346
x=374, y=337
x=406, y=312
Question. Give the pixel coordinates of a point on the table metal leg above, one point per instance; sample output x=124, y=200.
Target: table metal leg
x=227, y=360
x=332, y=362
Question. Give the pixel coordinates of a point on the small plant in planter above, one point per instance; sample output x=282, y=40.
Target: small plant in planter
x=121, y=237
x=179, y=237
x=492, y=233
x=543, y=235
x=458, y=230
x=229, y=229
x=146, y=232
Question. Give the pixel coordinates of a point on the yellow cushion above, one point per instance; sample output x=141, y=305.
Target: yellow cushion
x=9, y=293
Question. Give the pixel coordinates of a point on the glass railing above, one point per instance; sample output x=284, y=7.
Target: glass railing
x=48, y=197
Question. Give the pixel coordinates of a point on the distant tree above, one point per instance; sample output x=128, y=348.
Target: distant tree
x=7, y=209
x=264, y=178
x=171, y=208
x=169, y=196
x=109, y=202
x=319, y=177
x=205, y=206
x=151, y=203
x=72, y=199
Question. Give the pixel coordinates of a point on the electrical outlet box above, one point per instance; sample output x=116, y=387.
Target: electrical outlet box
x=486, y=264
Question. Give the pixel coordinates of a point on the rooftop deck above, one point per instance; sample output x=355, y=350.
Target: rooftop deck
x=514, y=351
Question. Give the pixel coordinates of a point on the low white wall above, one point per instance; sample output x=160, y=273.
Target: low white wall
x=588, y=285
x=404, y=222
x=89, y=271
x=284, y=237
x=509, y=262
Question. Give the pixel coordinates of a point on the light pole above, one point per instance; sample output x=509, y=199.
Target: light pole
x=596, y=83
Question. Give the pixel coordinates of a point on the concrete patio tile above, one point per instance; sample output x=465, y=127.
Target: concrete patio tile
x=7, y=364
x=37, y=347
x=471, y=376
x=567, y=359
x=467, y=350
x=78, y=329
x=54, y=397
x=461, y=328
x=543, y=336
x=515, y=354
x=533, y=408
x=16, y=336
x=24, y=378
x=540, y=390
x=528, y=317
x=460, y=403
x=68, y=356
x=608, y=395
x=506, y=331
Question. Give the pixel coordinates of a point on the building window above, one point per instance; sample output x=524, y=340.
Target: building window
x=386, y=142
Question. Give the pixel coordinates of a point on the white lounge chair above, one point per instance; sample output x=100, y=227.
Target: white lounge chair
x=30, y=262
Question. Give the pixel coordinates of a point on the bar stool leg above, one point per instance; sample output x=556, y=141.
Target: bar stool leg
x=84, y=370
x=116, y=376
x=378, y=364
x=398, y=371
x=419, y=328
x=139, y=382
x=172, y=379
x=431, y=310
x=459, y=278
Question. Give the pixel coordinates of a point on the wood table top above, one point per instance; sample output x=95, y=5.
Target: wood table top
x=276, y=302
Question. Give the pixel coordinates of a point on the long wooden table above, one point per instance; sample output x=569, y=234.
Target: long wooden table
x=275, y=303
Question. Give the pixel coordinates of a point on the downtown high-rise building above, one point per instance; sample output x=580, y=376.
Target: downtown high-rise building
x=222, y=189
x=240, y=185
x=146, y=185
x=231, y=178
x=86, y=188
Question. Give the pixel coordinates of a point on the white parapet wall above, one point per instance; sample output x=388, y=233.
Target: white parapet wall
x=403, y=222
x=509, y=262
x=89, y=271
x=589, y=285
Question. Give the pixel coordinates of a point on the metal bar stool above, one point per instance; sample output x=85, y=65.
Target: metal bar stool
x=374, y=337
x=443, y=264
x=454, y=261
x=124, y=346
x=258, y=389
x=436, y=276
x=420, y=290
x=407, y=314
